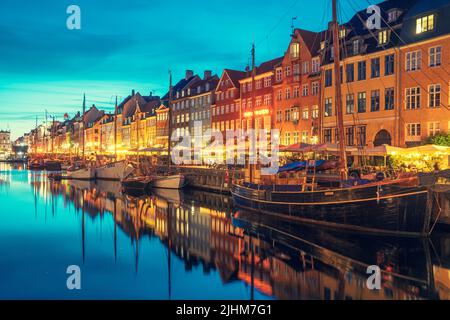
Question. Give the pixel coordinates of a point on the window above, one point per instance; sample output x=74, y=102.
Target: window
x=375, y=68
x=296, y=68
x=413, y=129
x=361, y=132
x=295, y=136
x=295, y=50
x=393, y=15
x=287, y=115
x=361, y=102
x=389, y=65
x=287, y=71
x=315, y=65
x=305, y=136
x=342, y=33
x=389, y=99
x=412, y=98
x=425, y=24
x=435, y=56
x=279, y=95
x=279, y=116
x=328, y=107
x=267, y=99
x=383, y=37
x=278, y=74
x=296, y=92
x=361, y=70
x=328, y=78
x=315, y=112
x=304, y=90
x=305, y=67
x=305, y=114
x=294, y=114
x=355, y=46
x=413, y=60
x=267, y=82
x=258, y=84
x=315, y=88
x=350, y=103
x=288, y=93
x=287, y=138
x=327, y=135
x=433, y=128
x=322, y=45
x=434, y=95
x=350, y=72
x=350, y=136
x=375, y=100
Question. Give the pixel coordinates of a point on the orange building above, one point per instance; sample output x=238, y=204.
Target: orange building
x=395, y=79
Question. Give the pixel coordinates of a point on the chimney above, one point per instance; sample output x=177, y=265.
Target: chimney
x=207, y=74
x=189, y=73
x=132, y=92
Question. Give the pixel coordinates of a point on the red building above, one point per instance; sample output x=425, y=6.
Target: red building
x=297, y=90
x=226, y=111
x=262, y=109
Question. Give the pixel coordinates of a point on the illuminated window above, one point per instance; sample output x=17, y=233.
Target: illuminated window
x=315, y=112
x=425, y=24
x=413, y=129
x=295, y=50
x=382, y=37
x=342, y=33
x=315, y=88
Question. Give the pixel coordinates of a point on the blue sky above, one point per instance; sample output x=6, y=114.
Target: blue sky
x=131, y=44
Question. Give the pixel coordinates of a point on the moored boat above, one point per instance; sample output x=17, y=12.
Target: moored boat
x=391, y=207
x=113, y=171
x=136, y=184
x=53, y=165
x=174, y=181
x=80, y=172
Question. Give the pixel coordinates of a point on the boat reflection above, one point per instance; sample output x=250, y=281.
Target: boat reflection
x=274, y=257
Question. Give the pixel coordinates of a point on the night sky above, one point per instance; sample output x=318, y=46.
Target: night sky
x=132, y=44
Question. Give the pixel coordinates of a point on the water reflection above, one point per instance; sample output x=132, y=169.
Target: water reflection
x=253, y=257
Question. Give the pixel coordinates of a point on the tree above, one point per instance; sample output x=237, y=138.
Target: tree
x=440, y=139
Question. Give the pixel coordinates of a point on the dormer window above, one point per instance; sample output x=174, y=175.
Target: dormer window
x=207, y=86
x=189, y=91
x=383, y=37
x=322, y=45
x=425, y=24
x=342, y=33
x=295, y=50
x=393, y=15
x=199, y=89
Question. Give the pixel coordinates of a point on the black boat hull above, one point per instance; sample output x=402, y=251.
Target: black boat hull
x=396, y=210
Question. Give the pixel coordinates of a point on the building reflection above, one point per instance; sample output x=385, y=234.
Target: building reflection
x=277, y=258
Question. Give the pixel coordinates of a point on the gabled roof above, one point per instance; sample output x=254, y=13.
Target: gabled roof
x=202, y=83
x=311, y=39
x=235, y=76
x=179, y=86
x=268, y=65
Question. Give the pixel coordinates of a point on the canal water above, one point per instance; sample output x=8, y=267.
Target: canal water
x=191, y=245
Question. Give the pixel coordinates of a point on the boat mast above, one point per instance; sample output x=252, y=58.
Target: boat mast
x=251, y=165
x=36, y=136
x=52, y=134
x=137, y=131
x=338, y=96
x=170, y=120
x=115, y=130
x=82, y=137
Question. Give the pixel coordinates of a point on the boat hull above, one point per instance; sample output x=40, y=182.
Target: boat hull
x=136, y=184
x=387, y=210
x=81, y=174
x=113, y=171
x=176, y=181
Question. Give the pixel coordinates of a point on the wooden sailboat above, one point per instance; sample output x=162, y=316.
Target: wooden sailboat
x=115, y=170
x=169, y=181
x=80, y=170
x=392, y=206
